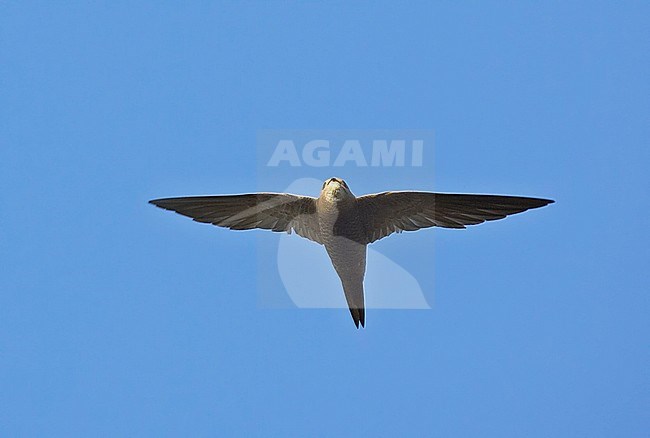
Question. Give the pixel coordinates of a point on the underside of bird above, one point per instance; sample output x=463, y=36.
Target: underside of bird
x=346, y=224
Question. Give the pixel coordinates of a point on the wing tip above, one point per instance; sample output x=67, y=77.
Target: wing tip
x=155, y=202
x=544, y=202
x=164, y=203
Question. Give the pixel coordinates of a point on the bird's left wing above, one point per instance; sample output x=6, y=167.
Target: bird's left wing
x=269, y=211
x=391, y=212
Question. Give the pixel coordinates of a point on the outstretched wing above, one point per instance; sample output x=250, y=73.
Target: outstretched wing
x=269, y=211
x=390, y=212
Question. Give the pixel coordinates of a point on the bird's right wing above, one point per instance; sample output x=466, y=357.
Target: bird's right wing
x=390, y=212
x=269, y=211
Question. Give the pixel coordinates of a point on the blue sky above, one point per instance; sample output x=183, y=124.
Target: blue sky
x=117, y=318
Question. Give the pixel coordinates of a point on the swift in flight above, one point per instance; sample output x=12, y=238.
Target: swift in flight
x=346, y=224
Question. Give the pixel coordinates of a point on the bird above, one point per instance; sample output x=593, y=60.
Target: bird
x=346, y=224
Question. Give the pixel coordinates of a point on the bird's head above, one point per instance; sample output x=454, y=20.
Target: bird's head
x=335, y=189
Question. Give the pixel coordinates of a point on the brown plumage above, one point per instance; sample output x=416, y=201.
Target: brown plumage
x=345, y=224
